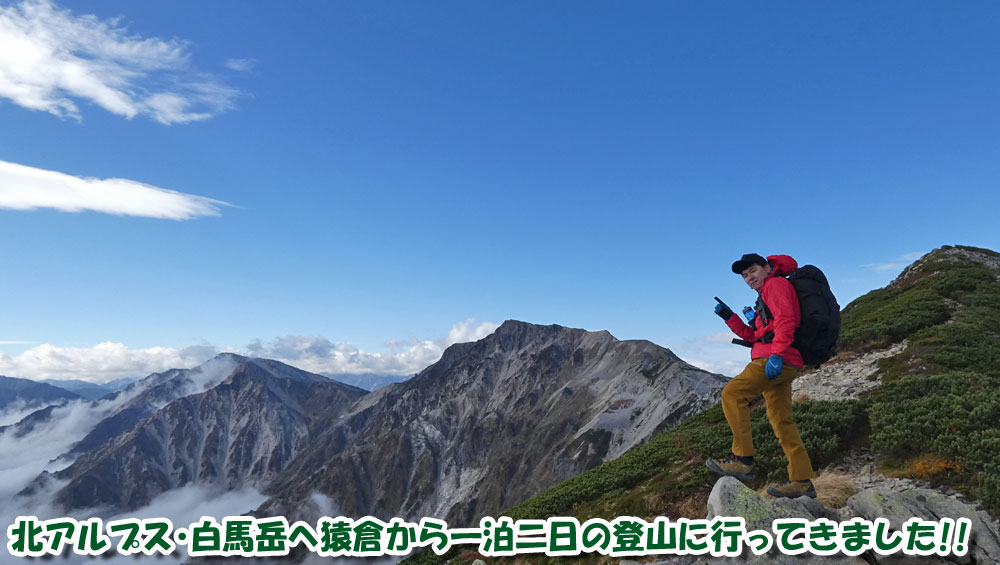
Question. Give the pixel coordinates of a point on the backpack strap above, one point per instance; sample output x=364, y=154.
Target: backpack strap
x=763, y=311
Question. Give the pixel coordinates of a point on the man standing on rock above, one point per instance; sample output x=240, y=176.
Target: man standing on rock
x=774, y=364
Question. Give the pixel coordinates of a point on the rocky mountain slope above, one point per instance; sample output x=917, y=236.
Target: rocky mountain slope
x=494, y=422
x=241, y=432
x=123, y=409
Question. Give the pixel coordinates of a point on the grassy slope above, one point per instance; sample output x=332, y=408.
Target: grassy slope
x=934, y=417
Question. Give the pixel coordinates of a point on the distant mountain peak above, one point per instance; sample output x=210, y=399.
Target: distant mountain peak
x=509, y=326
x=230, y=356
x=518, y=333
x=950, y=254
x=518, y=326
x=281, y=370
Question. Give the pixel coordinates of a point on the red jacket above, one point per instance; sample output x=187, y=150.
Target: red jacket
x=781, y=300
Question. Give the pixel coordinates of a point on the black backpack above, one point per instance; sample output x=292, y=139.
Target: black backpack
x=816, y=336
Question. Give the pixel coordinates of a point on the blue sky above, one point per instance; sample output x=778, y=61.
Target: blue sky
x=362, y=184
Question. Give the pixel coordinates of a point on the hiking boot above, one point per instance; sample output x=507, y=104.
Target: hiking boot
x=731, y=466
x=793, y=489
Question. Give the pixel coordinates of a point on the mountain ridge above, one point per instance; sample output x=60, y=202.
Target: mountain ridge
x=15, y=390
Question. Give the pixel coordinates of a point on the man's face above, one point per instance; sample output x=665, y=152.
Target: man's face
x=754, y=276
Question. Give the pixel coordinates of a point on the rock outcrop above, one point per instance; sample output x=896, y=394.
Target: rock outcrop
x=732, y=498
x=847, y=376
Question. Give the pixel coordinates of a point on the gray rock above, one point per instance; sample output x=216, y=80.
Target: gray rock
x=812, y=506
x=681, y=560
x=901, y=559
x=898, y=507
x=849, y=376
x=730, y=497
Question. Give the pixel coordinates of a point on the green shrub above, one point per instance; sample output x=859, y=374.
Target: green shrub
x=918, y=307
x=826, y=427
x=890, y=319
x=952, y=415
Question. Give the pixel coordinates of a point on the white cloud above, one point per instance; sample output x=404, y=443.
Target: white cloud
x=207, y=375
x=29, y=188
x=242, y=65
x=896, y=264
x=469, y=330
x=183, y=506
x=108, y=361
x=319, y=355
x=187, y=504
x=13, y=412
x=101, y=363
x=50, y=58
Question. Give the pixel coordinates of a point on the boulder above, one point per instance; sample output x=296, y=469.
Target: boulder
x=731, y=497
x=898, y=507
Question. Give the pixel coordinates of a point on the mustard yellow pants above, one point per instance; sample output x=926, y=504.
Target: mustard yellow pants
x=736, y=398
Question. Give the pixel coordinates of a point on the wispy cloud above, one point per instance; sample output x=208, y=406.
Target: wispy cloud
x=726, y=367
x=108, y=361
x=720, y=337
x=13, y=412
x=241, y=65
x=29, y=188
x=715, y=353
x=50, y=58
x=24, y=457
x=895, y=264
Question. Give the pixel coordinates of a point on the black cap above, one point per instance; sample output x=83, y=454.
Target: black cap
x=746, y=261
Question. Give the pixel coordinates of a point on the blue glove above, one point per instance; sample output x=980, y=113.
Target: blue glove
x=723, y=311
x=773, y=367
